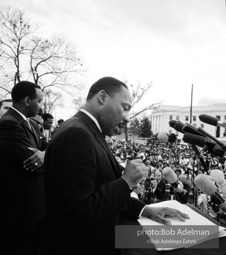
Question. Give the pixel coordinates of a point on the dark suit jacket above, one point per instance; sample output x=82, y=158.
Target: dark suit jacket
x=160, y=190
x=85, y=197
x=21, y=191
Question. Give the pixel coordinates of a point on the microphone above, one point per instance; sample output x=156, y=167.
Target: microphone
x=188, y=128
x=218, y=176
x=198, y=140
x=201, y=141
x=179, y=127
x=223, y=145
x=217, y=151
x=206, y=185
x=171, y=177
x=212, y=120
x=165, y=138
x=200, y=131
x=172, y=123
x=172, y=138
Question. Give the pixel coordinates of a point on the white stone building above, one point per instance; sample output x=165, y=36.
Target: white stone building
x=160, y=118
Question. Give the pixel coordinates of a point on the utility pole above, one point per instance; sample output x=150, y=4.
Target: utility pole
x=191, y=104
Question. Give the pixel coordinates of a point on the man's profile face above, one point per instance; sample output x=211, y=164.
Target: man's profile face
x=4, y=108
x=115, y=112
x=35, y=104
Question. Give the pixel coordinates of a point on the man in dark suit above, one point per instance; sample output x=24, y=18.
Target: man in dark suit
x=21, y=175
x=86, y=191
x=161, y=186
x=47, y=125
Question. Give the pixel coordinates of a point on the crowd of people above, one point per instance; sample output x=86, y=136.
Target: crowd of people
x=181, y=158
x=63, y=190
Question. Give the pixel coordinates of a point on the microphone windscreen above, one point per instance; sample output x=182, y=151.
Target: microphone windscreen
x=172, y=123
x=179, y=127
x=172, y=138
x=217, y=175
x=211, y=144
x=169, y=175
x=194, y=139
x=208, y=119
x=188, y=128
x=217, y=150
x=205, y=184
x=163, y=137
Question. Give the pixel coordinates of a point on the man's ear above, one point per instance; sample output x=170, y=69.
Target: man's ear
x=27, y=101
x=102, y=96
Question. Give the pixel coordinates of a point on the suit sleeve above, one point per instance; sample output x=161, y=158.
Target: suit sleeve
x=13, y=141
x=134, y=210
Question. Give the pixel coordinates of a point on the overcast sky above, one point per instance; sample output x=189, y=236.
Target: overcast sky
x=173, y=43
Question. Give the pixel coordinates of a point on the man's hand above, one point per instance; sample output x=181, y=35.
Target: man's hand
x=35, y=161
x=159, y=214
x=134, y=172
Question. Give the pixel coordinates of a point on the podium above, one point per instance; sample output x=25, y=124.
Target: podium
x=182, y=251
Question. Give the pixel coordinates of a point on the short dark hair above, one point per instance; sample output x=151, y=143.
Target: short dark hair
x=109, y=84
x=60, y=121
x=5, y=100
x=40, y=112
x=24, y=89
x=46, y=116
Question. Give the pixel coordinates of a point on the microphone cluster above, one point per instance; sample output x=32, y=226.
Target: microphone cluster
x=166, y=138
x=207, y=185
x=198, y=136
x=213, y=184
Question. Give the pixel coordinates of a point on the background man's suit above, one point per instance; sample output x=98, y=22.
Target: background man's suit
x=84, y=194
x=21, y=191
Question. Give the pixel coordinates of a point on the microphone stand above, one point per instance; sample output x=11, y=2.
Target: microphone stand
x=195, y=190
x=180, y=152
x=193, y=183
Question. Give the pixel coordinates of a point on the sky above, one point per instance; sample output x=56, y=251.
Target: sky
x=172, y=43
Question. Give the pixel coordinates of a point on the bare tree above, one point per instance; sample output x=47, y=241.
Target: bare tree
x=15, y=31
x=49, y=100
x=52, y=63
x=138, y=92
x=78, y=102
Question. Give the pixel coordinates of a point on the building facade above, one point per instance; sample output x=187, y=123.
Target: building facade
x=161, y=117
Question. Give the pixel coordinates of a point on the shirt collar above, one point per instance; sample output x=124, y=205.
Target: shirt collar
x=21, y=114
x=93, y=118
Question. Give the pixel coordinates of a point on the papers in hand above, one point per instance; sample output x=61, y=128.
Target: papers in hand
x=173, y=242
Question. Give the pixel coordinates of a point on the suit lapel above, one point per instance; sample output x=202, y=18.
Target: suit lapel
x=31, y=135
x=101, y=139
x=35, y=133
